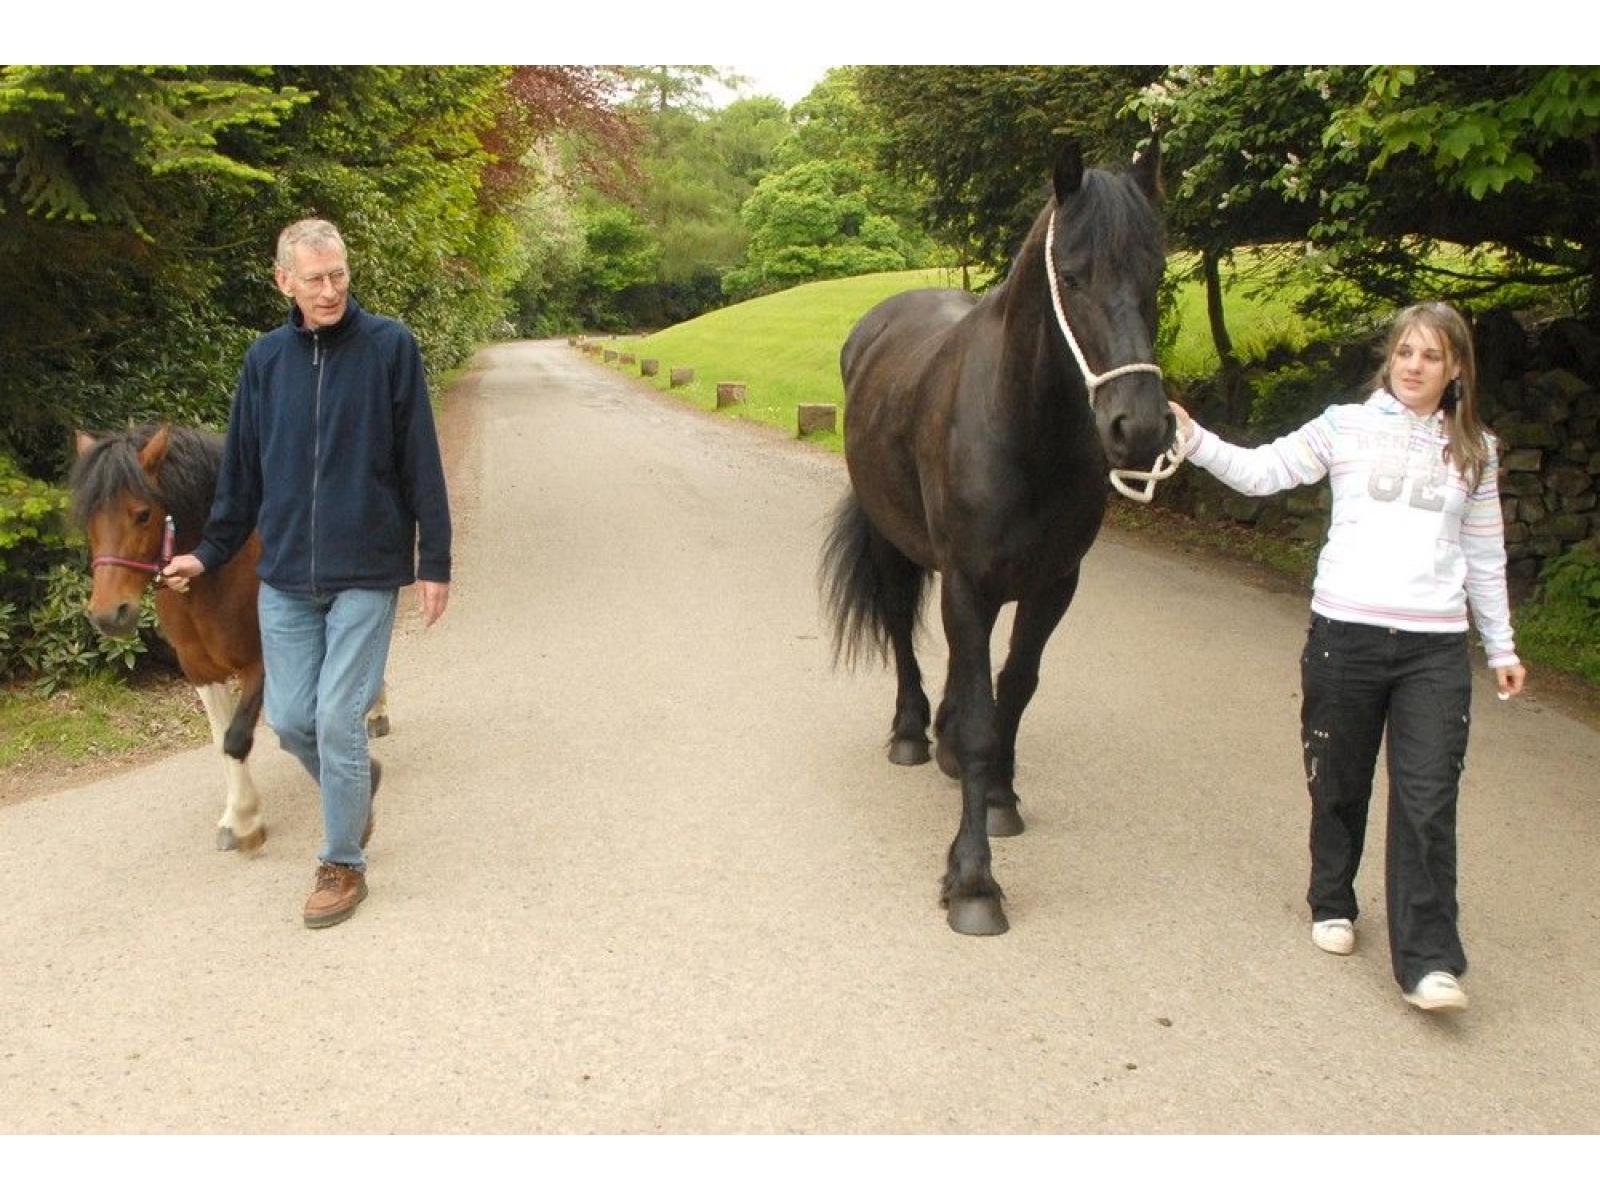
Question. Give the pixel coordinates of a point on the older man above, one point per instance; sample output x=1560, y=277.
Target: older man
x=331, y=453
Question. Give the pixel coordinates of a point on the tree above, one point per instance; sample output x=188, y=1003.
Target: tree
x=813, y=221
x=1377, y=165
x=979, y=141
x=1501, y=156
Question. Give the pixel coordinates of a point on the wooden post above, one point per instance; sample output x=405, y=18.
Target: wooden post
x=650, y=366
x=681, y=376
x=610, y=356
x=816, y=418
x=626, y=360
x=729, y=393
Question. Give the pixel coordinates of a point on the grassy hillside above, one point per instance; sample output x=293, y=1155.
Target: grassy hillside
x=785, y=347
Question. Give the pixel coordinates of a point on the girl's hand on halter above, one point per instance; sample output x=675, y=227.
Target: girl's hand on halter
x=1510, y=680
x=1185, y=423
x=180, y=570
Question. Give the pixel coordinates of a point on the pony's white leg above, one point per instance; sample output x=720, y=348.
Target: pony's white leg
x=378, y=715
x=240, y=827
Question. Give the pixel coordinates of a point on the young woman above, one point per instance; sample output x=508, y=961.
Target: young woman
x=1416, y=539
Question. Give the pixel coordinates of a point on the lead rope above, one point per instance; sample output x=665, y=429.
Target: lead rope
x=1168, y=461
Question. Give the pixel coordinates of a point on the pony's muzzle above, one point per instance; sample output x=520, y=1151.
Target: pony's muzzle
x=115, y=622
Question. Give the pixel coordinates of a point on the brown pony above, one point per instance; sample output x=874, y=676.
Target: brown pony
x=142, y=497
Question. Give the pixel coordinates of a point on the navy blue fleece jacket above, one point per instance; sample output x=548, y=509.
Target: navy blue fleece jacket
x=331, y=453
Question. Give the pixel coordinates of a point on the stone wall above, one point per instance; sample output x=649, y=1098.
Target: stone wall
x=1539, y=392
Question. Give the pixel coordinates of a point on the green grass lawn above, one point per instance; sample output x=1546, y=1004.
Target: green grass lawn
x=784, y=348
x=96, y=719
x=1257, y=306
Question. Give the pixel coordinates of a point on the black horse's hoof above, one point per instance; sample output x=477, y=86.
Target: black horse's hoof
x=977, y=916
x=1004, y=820
x=948, y=762
x=908, y=752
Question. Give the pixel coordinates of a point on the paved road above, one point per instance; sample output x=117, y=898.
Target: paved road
x=641, y=863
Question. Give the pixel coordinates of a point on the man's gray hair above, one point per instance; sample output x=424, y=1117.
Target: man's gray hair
x=313, y=231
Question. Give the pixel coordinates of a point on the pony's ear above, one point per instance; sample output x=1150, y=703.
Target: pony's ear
x=154, y=452
x=1069, y=170
x=85, y=441
x=1147, y=170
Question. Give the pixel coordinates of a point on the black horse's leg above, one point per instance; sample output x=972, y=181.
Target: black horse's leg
x=970, y=894
x=945, y=749
x=1036, y=619
x=900, y=585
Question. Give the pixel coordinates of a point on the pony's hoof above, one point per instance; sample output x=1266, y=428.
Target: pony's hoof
x=378, y=727
x=948, y=762
x=254, y=840
x=977, y=916
x=908, y=752
x=1003, y=820
x=227, y=840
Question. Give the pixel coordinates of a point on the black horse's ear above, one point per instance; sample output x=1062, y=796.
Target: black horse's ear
x=1069, y=170
x=1147, y=170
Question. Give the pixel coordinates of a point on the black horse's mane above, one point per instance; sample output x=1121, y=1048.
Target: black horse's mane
x=1109, y=223
x=187, y=477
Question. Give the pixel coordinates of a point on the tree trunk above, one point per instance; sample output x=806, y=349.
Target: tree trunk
x=1230, y=374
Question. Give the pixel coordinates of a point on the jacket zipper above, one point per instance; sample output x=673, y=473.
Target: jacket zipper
x=318, y=362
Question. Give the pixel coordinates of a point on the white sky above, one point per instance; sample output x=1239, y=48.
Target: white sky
x=817, y=31
x=789, y=82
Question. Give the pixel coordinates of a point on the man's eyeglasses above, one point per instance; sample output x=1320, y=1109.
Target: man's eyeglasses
x=340, y=280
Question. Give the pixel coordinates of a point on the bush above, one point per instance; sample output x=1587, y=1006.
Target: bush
x=1287, y=397
x=35, y=537
x=1562, y=622
x=60, y=647
x=44, y=588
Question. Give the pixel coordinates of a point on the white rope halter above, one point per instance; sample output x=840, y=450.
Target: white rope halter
x=1166, y=462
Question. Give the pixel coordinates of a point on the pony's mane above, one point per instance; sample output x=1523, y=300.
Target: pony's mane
x=187, y=480
x=1110, y=222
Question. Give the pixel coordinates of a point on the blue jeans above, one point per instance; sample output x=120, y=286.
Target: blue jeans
x=325, y=658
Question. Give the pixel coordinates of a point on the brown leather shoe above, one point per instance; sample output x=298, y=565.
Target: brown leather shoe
x=376, y=771
x=337, y=892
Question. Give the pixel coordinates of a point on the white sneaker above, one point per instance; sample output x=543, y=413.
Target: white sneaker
x=1336, y=936
x=1438, y=991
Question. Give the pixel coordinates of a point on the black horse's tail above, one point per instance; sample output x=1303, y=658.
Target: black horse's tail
x=868, y=586
x=241, y=735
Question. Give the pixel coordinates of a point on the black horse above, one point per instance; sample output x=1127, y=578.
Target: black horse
x=978, y=443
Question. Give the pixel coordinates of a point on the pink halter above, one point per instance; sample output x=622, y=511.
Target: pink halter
x=169, y=531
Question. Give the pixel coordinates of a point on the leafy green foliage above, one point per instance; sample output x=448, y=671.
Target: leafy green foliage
x=1562, y=623
x=44, y=588
x=85, y=143
x=1381, y=167
x=814, y=221
x=58, y=646
x=979, y=142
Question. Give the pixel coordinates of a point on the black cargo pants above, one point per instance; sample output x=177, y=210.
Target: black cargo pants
x=1357, y=680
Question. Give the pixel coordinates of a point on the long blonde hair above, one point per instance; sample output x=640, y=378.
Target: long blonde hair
x=1468, y=437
